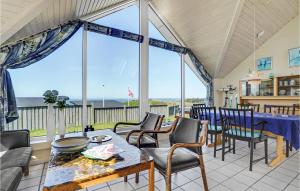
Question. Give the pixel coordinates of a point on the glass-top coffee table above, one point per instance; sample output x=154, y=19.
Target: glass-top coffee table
x=74, y=171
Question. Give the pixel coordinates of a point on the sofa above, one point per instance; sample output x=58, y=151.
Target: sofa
x=15, y=154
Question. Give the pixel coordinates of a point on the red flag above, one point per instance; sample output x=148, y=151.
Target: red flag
x=130, y=94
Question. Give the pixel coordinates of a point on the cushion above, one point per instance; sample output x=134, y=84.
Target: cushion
x=182, y=158
x=18, y=157
x=10, y=178
x=146, y=141
x=238, y=133
x=213, y=128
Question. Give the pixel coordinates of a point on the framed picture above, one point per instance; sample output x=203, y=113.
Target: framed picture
x=294, y=57
x=264, y=64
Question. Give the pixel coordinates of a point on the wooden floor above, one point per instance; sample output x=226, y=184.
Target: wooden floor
x=231, y=174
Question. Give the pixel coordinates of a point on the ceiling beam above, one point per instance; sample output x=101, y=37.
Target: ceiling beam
x=231, y=28
x=108, y=10
x=21, y=19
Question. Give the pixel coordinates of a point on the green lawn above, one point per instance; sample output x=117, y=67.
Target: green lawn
x=97, y=126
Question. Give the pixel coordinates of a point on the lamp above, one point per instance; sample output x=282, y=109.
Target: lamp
x=253, y=78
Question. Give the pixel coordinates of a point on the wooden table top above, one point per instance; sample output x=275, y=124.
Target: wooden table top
x=70, y=168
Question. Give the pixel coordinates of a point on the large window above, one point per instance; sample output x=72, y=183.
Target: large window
x=195, y=91
x=60, y=71
x=113, y=72
x=164, y=77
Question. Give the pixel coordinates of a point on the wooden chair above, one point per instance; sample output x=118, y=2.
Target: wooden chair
x=185, y=151
x=235, y=126
x=296, y=107
x=284, y=110
x=280, y=109
x=150, y=122
x=255, y=107
x=192, y=110
x=209, y=114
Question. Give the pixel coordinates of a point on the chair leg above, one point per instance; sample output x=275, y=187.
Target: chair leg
x=137, y=177
x=287, y=149
x=168, y=182
x=207, y=140
x=215, y=146
x=254, y=145
x=229, y=144
x=202, y=168
x=26, y=171
x=251, y=154
x=211, y=138
x=266, y=151
x=291, y=147
x=125, y=178
x=223, y=148
x=233, y=146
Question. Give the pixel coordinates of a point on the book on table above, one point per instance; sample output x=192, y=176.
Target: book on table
x=102, y=152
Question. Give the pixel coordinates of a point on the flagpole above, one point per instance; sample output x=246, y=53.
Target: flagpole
x=128, y=98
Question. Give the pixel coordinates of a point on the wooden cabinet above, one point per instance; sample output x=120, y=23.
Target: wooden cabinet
x=288, y=86
x=282, y=90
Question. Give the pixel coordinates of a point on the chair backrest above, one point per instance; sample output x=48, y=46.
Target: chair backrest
x=194, y=110
x=235, y=122
x=151, y=121
x=296, y=108
x=255, y=107
x=208, y=114
x=280, y=109
x=186, y=131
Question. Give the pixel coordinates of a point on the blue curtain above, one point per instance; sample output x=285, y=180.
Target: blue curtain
x=167, y=46
x=93, y=27
x=205, y=76
x=24, y=53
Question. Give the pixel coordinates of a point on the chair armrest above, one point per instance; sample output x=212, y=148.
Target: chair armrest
x=262, y=124
x=14, y=139
x=123, y=123
x=131, y=132
x=170, y=129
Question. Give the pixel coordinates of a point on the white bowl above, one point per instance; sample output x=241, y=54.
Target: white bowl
x=70, y=144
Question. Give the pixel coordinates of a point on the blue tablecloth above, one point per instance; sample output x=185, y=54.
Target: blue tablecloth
x=286, y=126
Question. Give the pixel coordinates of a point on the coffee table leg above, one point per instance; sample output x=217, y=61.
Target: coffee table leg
x=151, y=177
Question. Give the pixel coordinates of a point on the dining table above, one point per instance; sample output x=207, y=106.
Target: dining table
x=281, y=127
x=74, y=171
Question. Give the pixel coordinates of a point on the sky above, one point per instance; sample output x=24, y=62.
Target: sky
x=113, y=66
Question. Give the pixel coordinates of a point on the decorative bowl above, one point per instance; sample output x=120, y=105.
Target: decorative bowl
x=282, y=92
x=70, y=144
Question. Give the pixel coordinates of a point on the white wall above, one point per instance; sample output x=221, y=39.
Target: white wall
x=276, y=47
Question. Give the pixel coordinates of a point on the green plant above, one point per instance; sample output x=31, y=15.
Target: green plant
x=62, y=101
x=50, y=96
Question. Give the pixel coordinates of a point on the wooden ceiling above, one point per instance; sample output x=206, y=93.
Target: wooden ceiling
x=51, y=14
x=221, y=33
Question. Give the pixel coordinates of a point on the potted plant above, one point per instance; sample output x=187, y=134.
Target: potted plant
x=61, y=104
x=50, y=97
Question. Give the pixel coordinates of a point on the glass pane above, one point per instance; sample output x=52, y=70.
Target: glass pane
x=164, y=79
x=113, y=72
x=60, y=71
x=195, y=90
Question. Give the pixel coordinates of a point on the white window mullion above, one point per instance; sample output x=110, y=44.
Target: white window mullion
x=182, y=85
x=144, y=59
x=84, y=80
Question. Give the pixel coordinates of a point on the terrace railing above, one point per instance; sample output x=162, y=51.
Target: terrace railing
x=35, y=118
